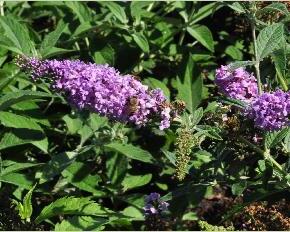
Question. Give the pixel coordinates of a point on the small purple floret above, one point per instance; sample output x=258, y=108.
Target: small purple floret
x=237, y=84
x=102, y=89
x=154, y=205
x=270, y=111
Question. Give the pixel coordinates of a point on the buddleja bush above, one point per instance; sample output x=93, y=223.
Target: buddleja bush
x=125, y=115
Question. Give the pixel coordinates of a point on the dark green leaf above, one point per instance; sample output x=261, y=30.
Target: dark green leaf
x=73, y=123
x=72, y=206
x=269, y=40
x=17, y=121
x=131, y=151
x=18, y=34
x=27, y=204
x=55, y=166
x=7, y=77
x=276, y=6
x=12, y=98
x=190, y=216
x=234, y=52
x=190, y=89
x=81, y=223
x=54, y=51
x=233, y=102
x=239, y=64
x=5, y=42
x=274, y=138
x=170, y=156
x=287, y=142
x=81, y=10
x=17, y=179
x=238, y=188
x=51, y=39
x=17, y=167
x=134, y=213
x=141, y=41
x=137, y=9
x=131, y=182
x=77, y=174
x=203, y=12
x=154, y=84
x=85, y=132
x=236, y=6
x=23, y=136
x=117, y=165
x=96, y=121
x=106, y=55
x=280, y=60
x=197, y=116
x=117, y=11
x=203, y=35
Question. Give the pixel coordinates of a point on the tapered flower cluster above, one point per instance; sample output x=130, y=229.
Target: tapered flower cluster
x=270, y=111
x=154, y=205
x=237, y=84
x=185, y=141
x=102, y=89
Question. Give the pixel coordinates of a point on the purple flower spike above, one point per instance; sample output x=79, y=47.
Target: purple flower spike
x=237, y=84
x=150, y=209
x=270, y=111
x=152, y=197
x=163, y=206
x=102, y=89
x=154, y=205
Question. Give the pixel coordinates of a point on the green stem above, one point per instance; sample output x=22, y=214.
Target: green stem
x=150, y=7
x=77, y=46
x=1, y=167
x=2, y=8
x=257, y=65
x=87, y=42
x=266, y=154
x=282, y=80
x=182, y=35
x=191, y=12
x=253, y=146
x=181, y=38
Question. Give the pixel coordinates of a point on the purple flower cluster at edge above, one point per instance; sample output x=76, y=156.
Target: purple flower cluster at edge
x=102, y=89
x=237, y=84
x=270, y=111
x=154, y=205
